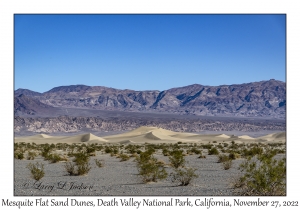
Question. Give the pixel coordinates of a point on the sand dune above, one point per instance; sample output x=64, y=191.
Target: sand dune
x=246, y=137
x=151, y=135
x=274, y=137
x=42, y=139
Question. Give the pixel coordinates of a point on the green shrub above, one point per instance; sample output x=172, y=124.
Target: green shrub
x=80, y=166
x=91, y=151
x=222, y=158
x=108, y=150
x=227, y=164
x=19, y=155
x=165, y=152
x=252, y=151
x=124, y=157
x=149, y=168
x=213, y=151
x=36, y=170
x=196, y=151
x=83, y=168
x=176, y=158
x=184, y=176
x=207, y=146
x=54, y=158
x=46, y=149
x=31, y=155
x=264, y=176
x=81, y=157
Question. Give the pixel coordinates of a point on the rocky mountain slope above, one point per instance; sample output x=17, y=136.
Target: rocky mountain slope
x=257, y=99
x=67, y=124
x=26, y=105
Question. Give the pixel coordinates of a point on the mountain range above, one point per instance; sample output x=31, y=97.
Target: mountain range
x=256, y=99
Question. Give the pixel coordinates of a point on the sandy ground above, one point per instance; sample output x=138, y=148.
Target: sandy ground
x=153, y=135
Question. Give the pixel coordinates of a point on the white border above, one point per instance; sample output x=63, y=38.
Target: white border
x=8, y=8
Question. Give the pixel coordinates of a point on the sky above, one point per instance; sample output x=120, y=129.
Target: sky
x=147, y=52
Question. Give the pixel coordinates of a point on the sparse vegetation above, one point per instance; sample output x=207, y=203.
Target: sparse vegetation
x=176, y=158
x=227, y=164
x=124, y=157
x=184, y=176
x=262, y=173
x=19, y=155
x=264, y=176
x=31, y=155
x=80, y=165
x=149, y=168
x=213, y=151
x=36, y=170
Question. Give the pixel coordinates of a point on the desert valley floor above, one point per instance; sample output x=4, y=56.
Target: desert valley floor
x=117, y=177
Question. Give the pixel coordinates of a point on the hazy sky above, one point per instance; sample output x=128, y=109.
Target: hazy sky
x=147, y=52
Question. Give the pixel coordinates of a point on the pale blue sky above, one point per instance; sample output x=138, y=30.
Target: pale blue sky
x=147, y=52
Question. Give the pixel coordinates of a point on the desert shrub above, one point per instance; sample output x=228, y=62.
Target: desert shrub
x=184, y=176
x=71, y=168
x=31, y=155
x=36, y=170
x=252, y=151
x=149, y=168
x=124, y=157
x=264, y=176
x=19, y=155
x=115, y=151
x=83, y=168
x=131, y=149
x=220, y=146
x=214, y=141
x=75, y=169
x=207, y=146
x=46, y=149
x=222, y=158
x=213, y=151
x=54, y=158
x=196, y=151
x=108, y=150
x=176, y=158
x=151, y=171
x=227, y=164
x=80, y=165
x=81, y=158
x=91, y=150
x=99, y=163
x=234, y=155
x=165, y=152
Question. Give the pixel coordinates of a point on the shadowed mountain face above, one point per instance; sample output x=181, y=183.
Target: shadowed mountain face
x=27, y=105
x=257, y=99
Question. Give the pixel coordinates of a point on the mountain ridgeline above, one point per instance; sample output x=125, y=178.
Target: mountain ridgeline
x=256, y=99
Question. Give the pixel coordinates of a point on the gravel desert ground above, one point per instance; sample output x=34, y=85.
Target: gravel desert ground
x=121, y=178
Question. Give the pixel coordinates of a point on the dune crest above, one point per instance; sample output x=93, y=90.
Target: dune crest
x=152, y=135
